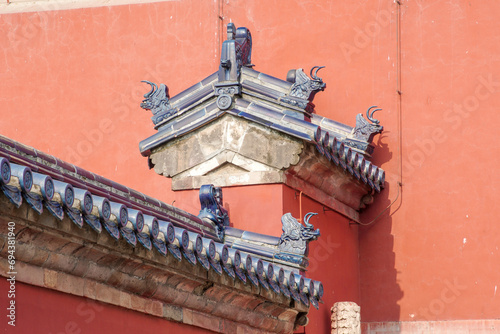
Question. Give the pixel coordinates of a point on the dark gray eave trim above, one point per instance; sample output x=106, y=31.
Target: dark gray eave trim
x=57, y=169
x=173, y=234
x=196, y=107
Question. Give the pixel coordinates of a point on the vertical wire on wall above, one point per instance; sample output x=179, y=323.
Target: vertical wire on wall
x=399, y=94
x=220, y=28
x=400, y=97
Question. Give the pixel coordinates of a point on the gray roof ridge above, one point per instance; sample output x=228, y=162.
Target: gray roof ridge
x=62, y=171
x=65, y=190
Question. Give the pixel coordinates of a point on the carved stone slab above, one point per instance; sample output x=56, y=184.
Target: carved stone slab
x=229, y=151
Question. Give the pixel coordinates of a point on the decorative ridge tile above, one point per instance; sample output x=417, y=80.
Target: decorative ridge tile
x=147, y=227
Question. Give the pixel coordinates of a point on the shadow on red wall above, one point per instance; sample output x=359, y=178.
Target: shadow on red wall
x=378, y=270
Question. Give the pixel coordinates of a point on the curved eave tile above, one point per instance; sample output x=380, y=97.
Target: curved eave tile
x=40, y=163
x=355, y=163
x=60, y=198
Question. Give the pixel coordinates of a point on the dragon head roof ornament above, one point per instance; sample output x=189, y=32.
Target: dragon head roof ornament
x=365, y=130
x=157, y=100
x=296, y=237
x=304, y=87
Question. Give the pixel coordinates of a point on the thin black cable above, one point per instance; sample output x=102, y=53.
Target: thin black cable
x=400, y=117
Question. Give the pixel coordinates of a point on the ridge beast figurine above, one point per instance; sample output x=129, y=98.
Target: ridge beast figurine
x=157, y=101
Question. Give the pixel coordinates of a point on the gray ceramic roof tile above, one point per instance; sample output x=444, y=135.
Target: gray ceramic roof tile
x=46, y=157
x=194, y=98
x=65, y=165
x=261, y=89
x=210, y=79
x=25, y=149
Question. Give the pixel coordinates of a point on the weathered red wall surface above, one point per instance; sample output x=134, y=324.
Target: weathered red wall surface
x=434, y=256
x=40, y=310
x=70, y=86
x=334, y=257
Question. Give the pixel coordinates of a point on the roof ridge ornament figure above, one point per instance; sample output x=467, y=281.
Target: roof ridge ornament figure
x=296, y=237
x=236, y=52
x=212, y=208
x=157, y=100
x=365, y=130
x=303, y=86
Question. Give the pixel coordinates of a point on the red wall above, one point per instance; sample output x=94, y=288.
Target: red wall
x=253, y=208
x=333, y=257
x=39, y=310
x=70, y=82
x=433, y=256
